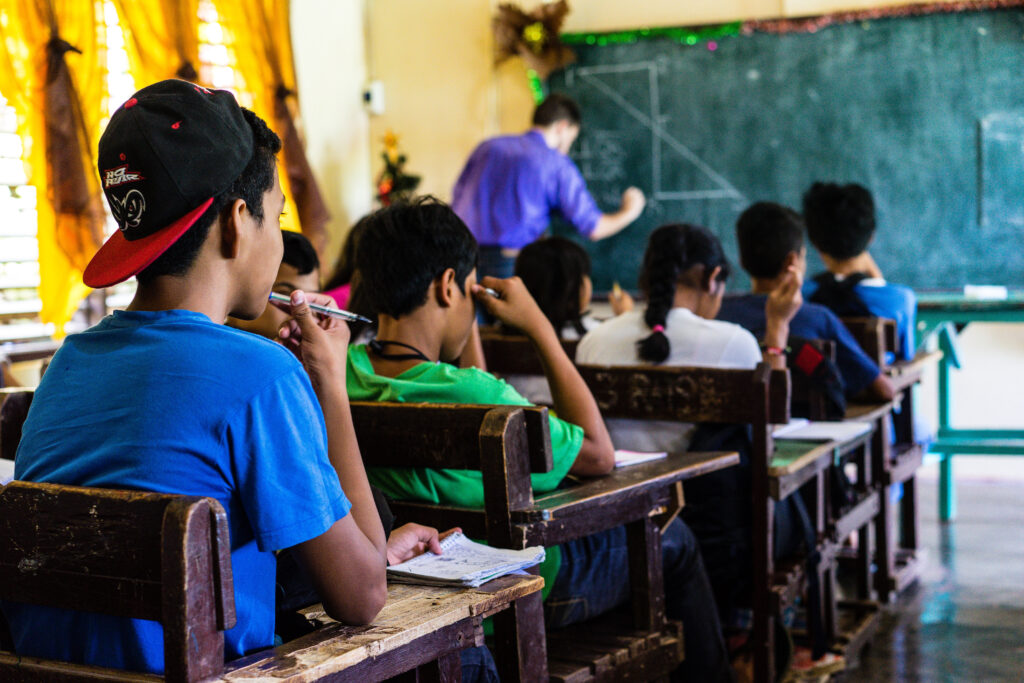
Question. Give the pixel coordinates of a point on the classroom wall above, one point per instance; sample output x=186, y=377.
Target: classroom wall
x=328, y=40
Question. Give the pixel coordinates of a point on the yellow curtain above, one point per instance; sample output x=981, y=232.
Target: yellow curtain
x=52, y=74
x=161, y=37
x=259, y=32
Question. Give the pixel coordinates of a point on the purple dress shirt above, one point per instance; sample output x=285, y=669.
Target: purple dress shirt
x=510, y=186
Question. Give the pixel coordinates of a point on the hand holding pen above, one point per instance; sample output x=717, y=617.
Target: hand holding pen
x=510, y=302
x=319, y=341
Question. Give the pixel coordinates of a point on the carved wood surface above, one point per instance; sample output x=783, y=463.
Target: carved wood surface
x=684, y=394
x=411, y=613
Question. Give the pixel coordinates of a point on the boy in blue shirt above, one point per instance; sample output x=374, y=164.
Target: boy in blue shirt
x=771, y=241
x=164, y=397
x=841, y=224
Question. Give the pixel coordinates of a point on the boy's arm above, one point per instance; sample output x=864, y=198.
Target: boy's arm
x=782, y=304
x=347, y=562
x=572, y=399
x=473, y=354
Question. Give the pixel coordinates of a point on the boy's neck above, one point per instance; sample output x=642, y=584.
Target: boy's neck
x=413, y=329
x=861, y=263
x=186, y=293
x=764, y=285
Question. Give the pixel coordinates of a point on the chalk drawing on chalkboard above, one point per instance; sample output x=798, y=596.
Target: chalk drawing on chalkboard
x=592, y=76
x=1001, y=171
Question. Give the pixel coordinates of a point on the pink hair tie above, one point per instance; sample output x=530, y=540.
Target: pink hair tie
x=658, y=328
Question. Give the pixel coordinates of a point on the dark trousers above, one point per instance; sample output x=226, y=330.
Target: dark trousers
x=594, y=578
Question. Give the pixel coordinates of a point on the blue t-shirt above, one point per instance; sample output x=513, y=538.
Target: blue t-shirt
x=886, y=300
x=170, y=402
x=810, y=322
x=511, y=185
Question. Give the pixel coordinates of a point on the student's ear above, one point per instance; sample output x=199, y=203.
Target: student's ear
x=446, y=288
x=230, y=224
x=712, y=278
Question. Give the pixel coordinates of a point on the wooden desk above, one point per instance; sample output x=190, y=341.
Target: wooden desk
x=940, y=317
x=415, y=625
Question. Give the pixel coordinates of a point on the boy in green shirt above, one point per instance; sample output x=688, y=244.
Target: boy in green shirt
x=418, y=266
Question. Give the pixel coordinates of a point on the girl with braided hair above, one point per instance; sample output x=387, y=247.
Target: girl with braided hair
x=683, y=278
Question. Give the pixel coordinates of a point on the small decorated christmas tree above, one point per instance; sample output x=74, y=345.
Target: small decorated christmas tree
x=394, y=184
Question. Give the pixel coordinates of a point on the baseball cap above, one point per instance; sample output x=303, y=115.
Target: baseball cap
x=163, y=158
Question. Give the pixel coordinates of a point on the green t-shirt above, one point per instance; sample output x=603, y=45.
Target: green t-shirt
x=444, y=383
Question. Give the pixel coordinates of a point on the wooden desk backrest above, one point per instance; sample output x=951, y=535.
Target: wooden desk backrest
x=14, y=407
x=124, y=553
x=875, y=335
x=508, y=354
x=505, y=443
x=689, y=394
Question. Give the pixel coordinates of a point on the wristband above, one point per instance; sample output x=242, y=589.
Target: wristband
x=774, y=350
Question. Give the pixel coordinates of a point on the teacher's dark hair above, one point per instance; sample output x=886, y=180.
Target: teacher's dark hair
x=405, y=247
x=556, y=107
x=677, y=253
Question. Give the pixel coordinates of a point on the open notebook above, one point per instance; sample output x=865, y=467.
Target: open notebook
x=464, y=563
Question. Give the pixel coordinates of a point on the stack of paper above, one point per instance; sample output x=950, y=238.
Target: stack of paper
x=627, y=458
x=800, y=429
x=464, y=563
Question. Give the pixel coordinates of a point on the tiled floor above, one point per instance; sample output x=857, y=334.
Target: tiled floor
x=965, y=619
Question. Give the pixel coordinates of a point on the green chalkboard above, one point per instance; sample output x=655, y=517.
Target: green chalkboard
x=926, y=111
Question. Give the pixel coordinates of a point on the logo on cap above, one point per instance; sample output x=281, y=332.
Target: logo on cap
x=128, y=210
x=119, y=176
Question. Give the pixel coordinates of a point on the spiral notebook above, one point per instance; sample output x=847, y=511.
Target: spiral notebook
x=464, y=563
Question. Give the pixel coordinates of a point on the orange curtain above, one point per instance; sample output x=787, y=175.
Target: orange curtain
x=161, y=37
x=260, y=35
x=52, y=74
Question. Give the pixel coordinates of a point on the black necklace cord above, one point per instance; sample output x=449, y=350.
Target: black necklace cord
x=377, y=346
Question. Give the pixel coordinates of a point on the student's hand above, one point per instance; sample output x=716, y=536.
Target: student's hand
x=515, y=308
x=319, y=341
x=782, y=304
x=620, y=301
x=406, y=542
x=633, y=201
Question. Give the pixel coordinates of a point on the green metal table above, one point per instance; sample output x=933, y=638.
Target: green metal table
x=940, y=318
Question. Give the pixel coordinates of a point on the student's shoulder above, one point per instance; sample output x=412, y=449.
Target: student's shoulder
x=473, y=385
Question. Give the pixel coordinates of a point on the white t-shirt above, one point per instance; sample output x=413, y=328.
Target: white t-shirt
x=535, y=387
x=694, y=341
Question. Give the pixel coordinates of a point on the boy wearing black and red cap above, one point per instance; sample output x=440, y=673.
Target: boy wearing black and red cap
x=163, y=397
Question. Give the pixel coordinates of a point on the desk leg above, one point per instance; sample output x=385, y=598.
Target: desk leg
x=947, y=493
x=521, y=647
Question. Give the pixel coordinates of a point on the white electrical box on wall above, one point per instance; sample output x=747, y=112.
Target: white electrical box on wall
x=373, y=97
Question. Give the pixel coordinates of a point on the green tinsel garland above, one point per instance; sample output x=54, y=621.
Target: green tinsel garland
x=683, y=36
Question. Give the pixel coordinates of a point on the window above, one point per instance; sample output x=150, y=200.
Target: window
x=19, y=249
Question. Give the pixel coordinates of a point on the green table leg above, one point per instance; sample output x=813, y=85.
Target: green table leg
x=947, y=492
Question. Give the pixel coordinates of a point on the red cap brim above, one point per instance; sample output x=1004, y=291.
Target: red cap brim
x=119, y=259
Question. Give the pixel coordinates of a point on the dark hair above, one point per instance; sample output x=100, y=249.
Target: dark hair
x=299, y=252
x=553, y=270
x=767, y=233
x=405, y=246
x=346, y=266
x=256, y=179
x=556, y=107
x=677, y=253
x=840, y=218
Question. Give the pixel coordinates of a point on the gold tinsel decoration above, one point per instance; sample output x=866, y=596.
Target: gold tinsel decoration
x=534, y=36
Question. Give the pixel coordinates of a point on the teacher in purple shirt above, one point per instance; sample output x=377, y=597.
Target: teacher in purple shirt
x=511, y=185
